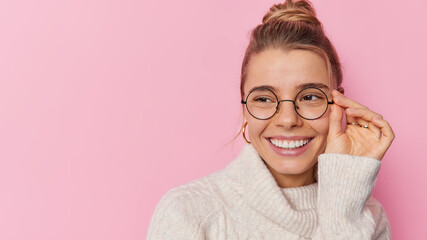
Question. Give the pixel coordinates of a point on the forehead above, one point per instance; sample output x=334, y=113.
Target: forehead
x=287, y=71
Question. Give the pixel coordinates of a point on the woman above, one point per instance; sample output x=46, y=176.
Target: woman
x=301, y=175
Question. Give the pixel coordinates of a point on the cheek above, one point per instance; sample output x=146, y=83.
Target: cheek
x=321, y=126
x=255, y=128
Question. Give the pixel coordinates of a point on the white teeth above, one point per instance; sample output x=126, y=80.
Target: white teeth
x=284, y=144
x=289, y=144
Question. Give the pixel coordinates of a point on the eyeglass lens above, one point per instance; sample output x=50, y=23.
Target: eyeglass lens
x=310, y=103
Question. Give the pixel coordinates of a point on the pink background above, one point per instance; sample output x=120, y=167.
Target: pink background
x=106, y=105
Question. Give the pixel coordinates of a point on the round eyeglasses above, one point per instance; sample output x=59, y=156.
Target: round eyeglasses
x=310, y=103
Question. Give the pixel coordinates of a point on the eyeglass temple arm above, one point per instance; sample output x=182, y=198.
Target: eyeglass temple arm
x=331, y=102
x=243, y=102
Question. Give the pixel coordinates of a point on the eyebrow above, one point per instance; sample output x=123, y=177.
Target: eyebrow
x=299, y=87
x=316, y=85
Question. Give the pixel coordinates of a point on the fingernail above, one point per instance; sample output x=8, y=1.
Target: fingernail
x=375, y=117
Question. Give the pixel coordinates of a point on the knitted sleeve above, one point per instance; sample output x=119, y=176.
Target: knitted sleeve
x=170, y=220
x=182, y=212
x=346, y=208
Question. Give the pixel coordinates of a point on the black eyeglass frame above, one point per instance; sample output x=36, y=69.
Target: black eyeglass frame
x=287, y=100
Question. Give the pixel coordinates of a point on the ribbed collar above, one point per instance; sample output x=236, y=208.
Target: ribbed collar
x=302, y=198
x=294, y=209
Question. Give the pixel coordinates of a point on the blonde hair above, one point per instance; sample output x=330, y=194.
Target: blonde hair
x=291, y=25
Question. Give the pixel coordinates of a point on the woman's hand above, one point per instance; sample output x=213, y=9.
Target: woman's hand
x=357, y=140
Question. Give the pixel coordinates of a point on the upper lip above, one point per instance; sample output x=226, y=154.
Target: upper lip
x=290, y=137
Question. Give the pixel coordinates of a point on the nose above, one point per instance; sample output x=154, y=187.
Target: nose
x=286, y=116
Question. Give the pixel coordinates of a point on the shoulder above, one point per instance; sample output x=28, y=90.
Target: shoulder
x=183, y=210
x=379, y=216
x=197, y=194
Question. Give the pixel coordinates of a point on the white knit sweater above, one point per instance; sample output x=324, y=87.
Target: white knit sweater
x=243, y=201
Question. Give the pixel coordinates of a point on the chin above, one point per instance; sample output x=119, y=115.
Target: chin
x=292, y=167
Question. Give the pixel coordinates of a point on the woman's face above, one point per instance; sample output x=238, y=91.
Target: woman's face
x=287, y=73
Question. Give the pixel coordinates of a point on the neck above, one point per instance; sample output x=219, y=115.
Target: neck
x=293, y=180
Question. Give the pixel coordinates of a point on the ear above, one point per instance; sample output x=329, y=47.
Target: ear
x=341, y=90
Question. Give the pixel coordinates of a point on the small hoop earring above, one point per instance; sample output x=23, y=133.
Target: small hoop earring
x=243, y=132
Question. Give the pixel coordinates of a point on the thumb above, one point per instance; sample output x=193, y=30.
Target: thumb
x=335, y=121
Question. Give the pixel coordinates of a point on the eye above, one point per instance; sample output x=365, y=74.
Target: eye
x=311, y=97
x=262, y=99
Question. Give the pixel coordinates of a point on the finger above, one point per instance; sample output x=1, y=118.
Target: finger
x=376, y=130
x=335, y=121
x=363, y=111
x=362, y=118
x=387, y=133
x=344, y=101
x=350, y=119
x=366, y=127
x=354, y=119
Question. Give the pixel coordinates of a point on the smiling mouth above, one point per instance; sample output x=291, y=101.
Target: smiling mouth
x=290, y=144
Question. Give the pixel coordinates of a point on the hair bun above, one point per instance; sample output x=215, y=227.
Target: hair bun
x=292, y=11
